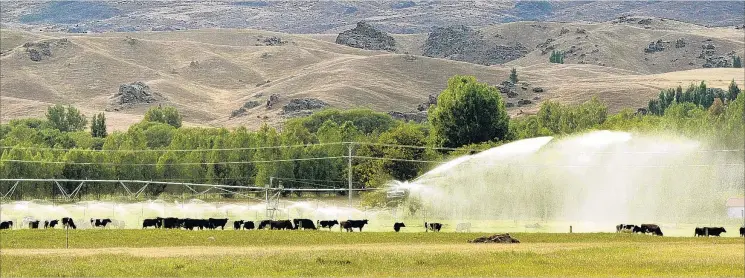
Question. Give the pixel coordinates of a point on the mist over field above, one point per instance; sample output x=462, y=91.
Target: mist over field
x=601, y=177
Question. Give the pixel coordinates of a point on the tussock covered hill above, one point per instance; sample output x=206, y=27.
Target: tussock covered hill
x=209, y=74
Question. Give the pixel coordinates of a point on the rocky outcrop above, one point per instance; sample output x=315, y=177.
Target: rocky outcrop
x=462, y=43
x=645, y=21
x=366, y=36
x=274, y=41
x=297, y=105
x=133, y=94
x=708, y=52
x=243, y=109
x=656, y=46
x=425, y=106
x=523, y=102
x=630, y=19
x=274, y=98
x=507, y=87
x=546, y=46
x=419, y=116
x=717, y=62
x=38, y=51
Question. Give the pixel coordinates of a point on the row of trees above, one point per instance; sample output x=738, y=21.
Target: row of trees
x=307, y=152
x=698, y=95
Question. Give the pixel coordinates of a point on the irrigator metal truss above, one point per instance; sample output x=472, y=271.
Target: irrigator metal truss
x=271, y=193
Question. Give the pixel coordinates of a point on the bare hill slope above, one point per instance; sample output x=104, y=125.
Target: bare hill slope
x=208, y=74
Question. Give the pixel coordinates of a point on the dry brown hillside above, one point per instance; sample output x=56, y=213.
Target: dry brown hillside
x=209, y=73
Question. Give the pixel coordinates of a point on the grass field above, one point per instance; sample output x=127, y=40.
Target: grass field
x=301, y=253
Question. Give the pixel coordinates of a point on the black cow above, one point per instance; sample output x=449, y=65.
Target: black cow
x=349, y=225
x=33, y=224
x=624, y=227
x=742, y=231
x=171, y=223
x=282, y=225
x=50, y=224
x=265, y=224
x=651, y=228
x=237, y=225
x=304, y=224
x=151, y=223
x=217, y=222
x=327, y=223
x=435, y=227
x=100, y=222
x=714, y=231
x=6, y=225
x=68, y=223
x=398, y=225
x=191, y=224
x=699, y=232
x=248, y=225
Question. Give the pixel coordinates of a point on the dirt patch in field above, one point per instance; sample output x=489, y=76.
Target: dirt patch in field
x=188, y=251
x=497, y=238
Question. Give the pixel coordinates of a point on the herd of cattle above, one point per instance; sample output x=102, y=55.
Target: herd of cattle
x=67, y=222
x=655, y=230
x=306, y=224
x=214, y=223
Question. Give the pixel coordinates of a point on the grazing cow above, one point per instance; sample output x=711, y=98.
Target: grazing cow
x=282, y=225
x=191, y=224
x=6, y=225
x=651, y=228
x=50, y=224
x=265, y=224
x=237, y=225
x=435, y=227
x=742, y=231
x=248, y=225
x=151, y=223
x=68, y=223
x=398, y=225
x=349, y=225
x=217, y=222
x=304, y=224
x=33, y=224
x=463, y=227
x=327, y=223
x=100, y=222
x=714, y=231
x=620, y=228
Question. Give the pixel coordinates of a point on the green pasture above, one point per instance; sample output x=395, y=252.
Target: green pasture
x=320, y=253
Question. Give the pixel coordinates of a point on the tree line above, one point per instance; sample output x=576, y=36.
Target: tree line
x=699, y=95
x=308, y=152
